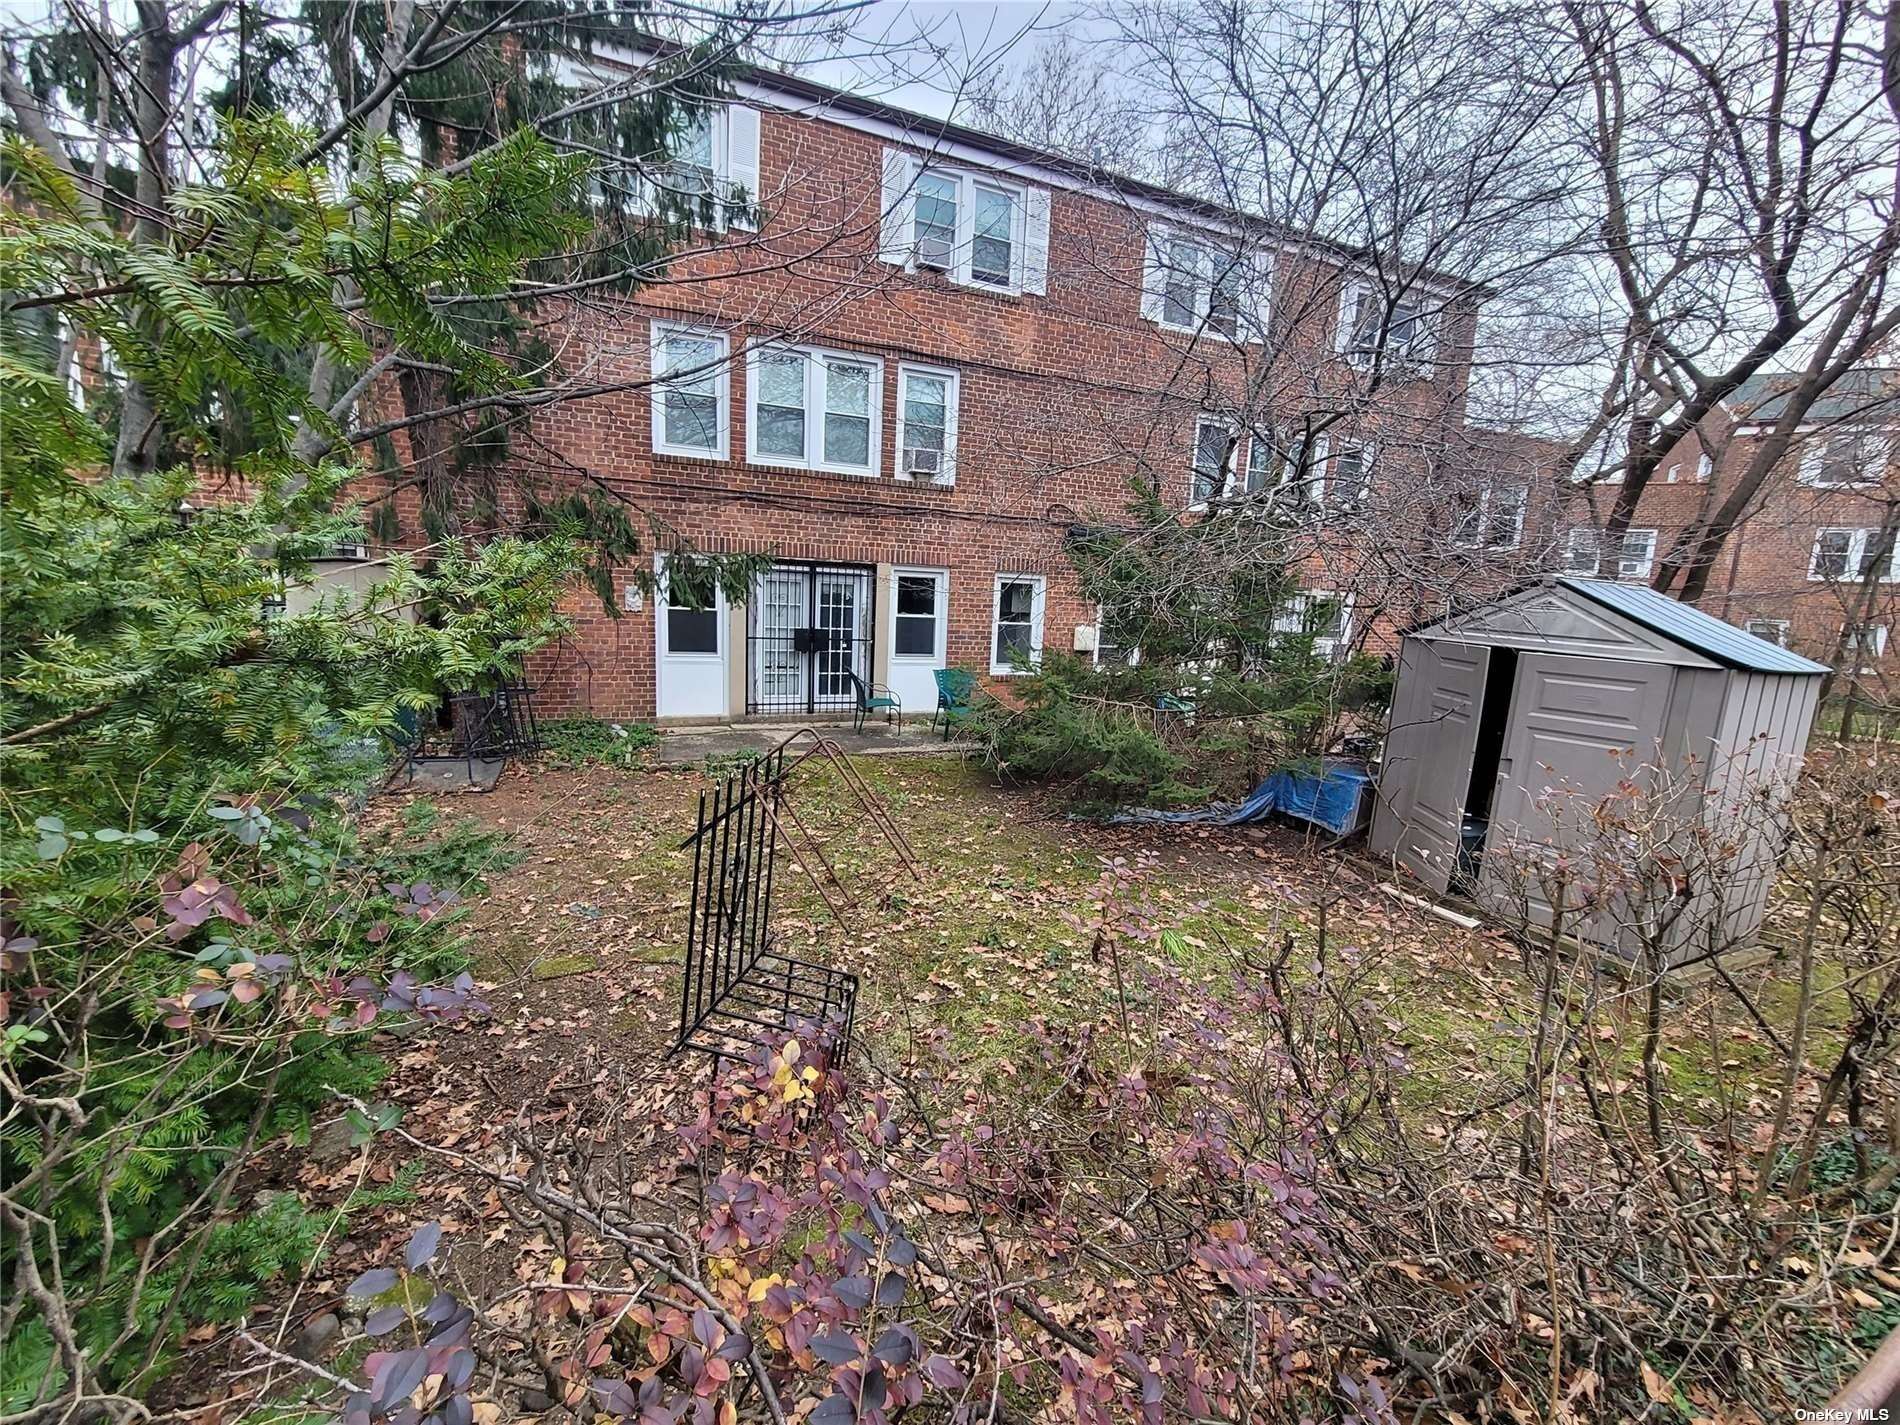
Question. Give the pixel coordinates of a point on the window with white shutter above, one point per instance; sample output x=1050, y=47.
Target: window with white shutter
x=1192, y=283
x=977, y=230
x=1397, y=332
x=710, y=165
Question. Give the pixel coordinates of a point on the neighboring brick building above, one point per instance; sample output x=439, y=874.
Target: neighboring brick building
x=1793, y=570
x=937, y=354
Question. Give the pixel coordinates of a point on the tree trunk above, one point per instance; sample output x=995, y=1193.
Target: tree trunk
x=140, y=438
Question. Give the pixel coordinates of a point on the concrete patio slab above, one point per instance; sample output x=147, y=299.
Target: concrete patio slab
x=684, y=746
x=452, y=774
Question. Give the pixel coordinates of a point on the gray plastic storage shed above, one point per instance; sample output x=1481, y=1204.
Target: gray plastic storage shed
x=1567, y=684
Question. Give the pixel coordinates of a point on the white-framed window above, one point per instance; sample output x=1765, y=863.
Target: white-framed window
x=934, y=236
x=1302, y=484
x=1673, y=474
x=712, y=153
x=1318, y=614
x=926, y=423
x=1704, y=468
x=1404, y=325
x=1350, y=480
x=1773, y=630
x=1191, y=282
x=1108, y=653
x=1845, y=459
x=1862, y=644
x=690, y=387
x=995, y=234
x=814, y=410
x=1490, y=518
x=1216, y=456
x=693, y=151
x=976, y=229
x=1016, y=623
x=1637, y=559
x=690, y=613
x=918, y=608
x=1847, y=554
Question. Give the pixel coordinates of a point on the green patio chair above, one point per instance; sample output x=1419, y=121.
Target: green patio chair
x=956, y=687
x=874, y=697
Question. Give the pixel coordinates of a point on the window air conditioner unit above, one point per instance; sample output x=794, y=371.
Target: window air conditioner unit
x=923, y=462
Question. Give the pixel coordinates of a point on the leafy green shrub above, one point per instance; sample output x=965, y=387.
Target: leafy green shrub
x=1157, y=735
x=194, y=937
x=1072, y=728
x=463, y=855
x=1238, y=670
x=583, y=741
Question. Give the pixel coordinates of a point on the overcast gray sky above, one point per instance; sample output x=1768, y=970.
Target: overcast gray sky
x=920, y=55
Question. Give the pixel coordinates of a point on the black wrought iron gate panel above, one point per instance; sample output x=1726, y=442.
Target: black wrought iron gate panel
x=738, y=993
x=809, y=628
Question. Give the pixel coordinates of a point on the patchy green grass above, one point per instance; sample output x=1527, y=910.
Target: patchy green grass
x=993, y=934
x=577, y=742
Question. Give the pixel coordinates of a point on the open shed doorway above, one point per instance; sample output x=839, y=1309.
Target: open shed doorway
x=1512, y=720
x=1487, y=756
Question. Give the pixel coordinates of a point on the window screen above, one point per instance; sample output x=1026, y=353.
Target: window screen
x=990, y=251
x=691, y=402
x=781, y=404
x=936, y=220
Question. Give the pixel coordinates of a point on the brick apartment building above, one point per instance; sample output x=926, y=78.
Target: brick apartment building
x=1813, y=565
x=928, y=356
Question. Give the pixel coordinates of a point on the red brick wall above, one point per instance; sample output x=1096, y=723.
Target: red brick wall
x=1762, y=571
x=1064, y=399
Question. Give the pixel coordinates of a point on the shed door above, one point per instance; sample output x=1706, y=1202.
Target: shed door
x=1429, y=741
x=1579, y=726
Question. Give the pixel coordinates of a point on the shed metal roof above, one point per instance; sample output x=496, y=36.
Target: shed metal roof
x=1689, y=626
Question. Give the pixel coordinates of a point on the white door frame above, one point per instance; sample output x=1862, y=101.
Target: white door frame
x=910, y=673
x=700, y=683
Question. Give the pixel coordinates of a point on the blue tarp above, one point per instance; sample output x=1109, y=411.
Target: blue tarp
x=1332, y=797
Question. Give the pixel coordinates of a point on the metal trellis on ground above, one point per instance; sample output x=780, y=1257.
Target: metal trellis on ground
x=739, y=992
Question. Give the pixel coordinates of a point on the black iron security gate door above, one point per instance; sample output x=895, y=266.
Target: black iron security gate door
x=809, y=630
